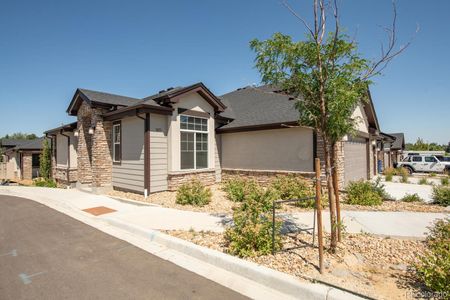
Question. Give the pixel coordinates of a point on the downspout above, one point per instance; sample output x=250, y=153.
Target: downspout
x=146, y=152
x=68, y=155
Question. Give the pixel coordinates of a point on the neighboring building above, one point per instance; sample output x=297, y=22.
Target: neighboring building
x=161, y=141
x=64, y=153
x=21, y=158
x=397, y=147
x=385, y=159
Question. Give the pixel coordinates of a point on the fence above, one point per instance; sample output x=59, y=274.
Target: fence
x=317, y=215
x=7, y=170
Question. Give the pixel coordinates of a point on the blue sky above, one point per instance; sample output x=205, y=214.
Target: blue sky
x=136, y=48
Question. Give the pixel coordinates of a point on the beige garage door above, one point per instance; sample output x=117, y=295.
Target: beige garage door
x=355, y=162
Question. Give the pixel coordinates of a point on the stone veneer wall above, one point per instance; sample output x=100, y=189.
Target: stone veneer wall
x=61, y=176
x=262, y=177
x=340, y=157
x=175, y=180
x=27, y=161
x=94, y=161
x=84, y=149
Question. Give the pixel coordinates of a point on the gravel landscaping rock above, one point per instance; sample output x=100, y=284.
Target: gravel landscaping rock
x=221, y=206
x=374, y=266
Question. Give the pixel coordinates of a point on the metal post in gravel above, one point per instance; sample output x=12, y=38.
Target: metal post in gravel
x=319, y=214
x=273, y=227
x=338, y=203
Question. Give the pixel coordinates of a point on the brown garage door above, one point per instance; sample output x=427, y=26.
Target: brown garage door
x=355, y=161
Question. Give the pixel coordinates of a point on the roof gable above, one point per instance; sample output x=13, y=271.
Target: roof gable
x=174, y=95
x=95, y=98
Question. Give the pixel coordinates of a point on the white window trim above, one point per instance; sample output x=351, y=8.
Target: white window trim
x=195, y=143
x=114, y=142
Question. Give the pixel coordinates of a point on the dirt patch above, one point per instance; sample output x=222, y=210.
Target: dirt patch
x=373, y=266
x=397, y=206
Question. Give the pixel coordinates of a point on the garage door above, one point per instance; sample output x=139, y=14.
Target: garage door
x=355, y=161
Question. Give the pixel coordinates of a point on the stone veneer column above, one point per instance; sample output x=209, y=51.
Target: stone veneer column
x=27, y=162
x=340, y=157
x=84, y=149
x=101, y=152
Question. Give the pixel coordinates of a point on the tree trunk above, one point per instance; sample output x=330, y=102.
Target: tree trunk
x=336, y=190
x=331, y=197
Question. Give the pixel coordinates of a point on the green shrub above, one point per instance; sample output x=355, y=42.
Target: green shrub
x=251, y=234
x=441, y=195
x=389, y=173
x=423, y=181
x=42, y=182
x=364, y=193
x=432, y=174
x=411, y=198
x=444, y=181
x=293, y=187
x=403, y=173
x=434, y=266
x=388, y=177
x=237, y=188
x=193, y=193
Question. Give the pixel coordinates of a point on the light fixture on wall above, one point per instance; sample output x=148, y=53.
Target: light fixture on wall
x=91, y=130
x=76, y=133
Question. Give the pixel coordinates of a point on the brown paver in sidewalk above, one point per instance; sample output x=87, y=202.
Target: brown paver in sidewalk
x=99, y=210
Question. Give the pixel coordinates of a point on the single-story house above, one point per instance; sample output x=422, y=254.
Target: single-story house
x=159, y=142
x=21, y=158
x=395, y=148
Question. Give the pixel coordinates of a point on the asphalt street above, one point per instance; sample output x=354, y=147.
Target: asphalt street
x=47, y=255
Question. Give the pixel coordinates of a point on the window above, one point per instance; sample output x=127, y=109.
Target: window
x=417, y=159
x=117, y=139
x=194, y=142
x=430, y=159
x=35, y=160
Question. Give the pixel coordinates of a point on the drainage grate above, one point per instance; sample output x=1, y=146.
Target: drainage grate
x=99, y=210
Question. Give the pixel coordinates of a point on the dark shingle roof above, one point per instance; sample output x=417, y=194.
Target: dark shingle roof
x=399, y=142
x=35, y=144
x=252, y=106
x=12, y=142
x=64, y=127
x=107, y=98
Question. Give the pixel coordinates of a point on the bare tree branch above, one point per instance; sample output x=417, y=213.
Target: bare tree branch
x=295, y=14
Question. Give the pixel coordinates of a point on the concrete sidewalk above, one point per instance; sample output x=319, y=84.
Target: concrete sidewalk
x=394, y=224
x=398, y=190
x=143, y=215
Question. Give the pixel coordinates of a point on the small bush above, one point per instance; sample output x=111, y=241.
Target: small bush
x=237, y=188
x=389, y=171
x=363, y=193
x=423, y=181
x=42, y=182
x=193, y=193
x=403, y=173
x=251, y=234
x=411, y=198
x=444, y=181
x=292, y=187
x=434, y=266
x=388, y=177
x=432, y=174
x=441, y=195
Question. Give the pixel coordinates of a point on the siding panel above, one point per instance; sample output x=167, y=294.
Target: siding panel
x=130, y=173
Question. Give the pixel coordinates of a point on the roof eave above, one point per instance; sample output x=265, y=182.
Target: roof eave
x=135, y=110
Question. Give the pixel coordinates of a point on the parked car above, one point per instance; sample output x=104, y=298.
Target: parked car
x=443, y=158
x=423, y=163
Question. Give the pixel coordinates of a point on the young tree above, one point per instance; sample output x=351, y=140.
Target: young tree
x=45, y=162
x=328, y=78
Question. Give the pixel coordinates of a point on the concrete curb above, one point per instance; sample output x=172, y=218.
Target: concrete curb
x=279, y=281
